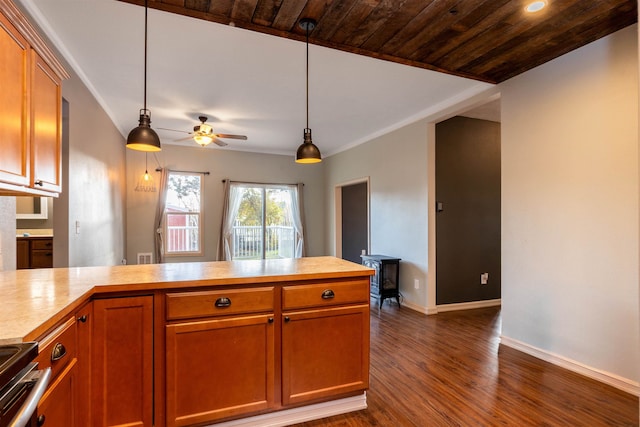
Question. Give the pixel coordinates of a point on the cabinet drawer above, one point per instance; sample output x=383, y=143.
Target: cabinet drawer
x=41, y=244
x=186, y=305
x=58, y=348
x=325, y=294
x=42, y=259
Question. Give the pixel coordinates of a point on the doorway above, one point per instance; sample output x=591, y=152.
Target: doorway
x=352, y=220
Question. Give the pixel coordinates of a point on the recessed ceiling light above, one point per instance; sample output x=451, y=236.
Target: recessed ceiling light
x=535, y=6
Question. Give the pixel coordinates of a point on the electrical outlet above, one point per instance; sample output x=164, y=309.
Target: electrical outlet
x=484, y=278
x=416, y=283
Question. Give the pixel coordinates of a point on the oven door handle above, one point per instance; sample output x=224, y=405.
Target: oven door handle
x=24, y=415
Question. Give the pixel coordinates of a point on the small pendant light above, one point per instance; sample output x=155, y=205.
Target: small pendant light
x=143, y=138
x=308, y=152
x=146, y=182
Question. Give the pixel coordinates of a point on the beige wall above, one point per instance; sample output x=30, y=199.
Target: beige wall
x=222, y=164
x=396, y=165
x=94, y=185
x=7, y=233
x=570, y=197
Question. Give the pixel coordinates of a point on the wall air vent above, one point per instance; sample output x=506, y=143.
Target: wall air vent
x=145, y=258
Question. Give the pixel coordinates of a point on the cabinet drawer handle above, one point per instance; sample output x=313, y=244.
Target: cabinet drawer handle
x=223, y=302
x=38, y=182
x=328, y=294
x=82, y=319
x=58, y=352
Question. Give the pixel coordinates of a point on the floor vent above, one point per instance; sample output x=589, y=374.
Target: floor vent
x=145, y=258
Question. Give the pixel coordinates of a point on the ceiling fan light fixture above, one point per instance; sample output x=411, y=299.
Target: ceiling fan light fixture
x=203, y=140
x=536, y=6
x=308, y=152
x=143, y=138
x=205, y=129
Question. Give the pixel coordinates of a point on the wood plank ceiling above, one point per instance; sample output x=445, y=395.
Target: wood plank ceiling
x=486, y=40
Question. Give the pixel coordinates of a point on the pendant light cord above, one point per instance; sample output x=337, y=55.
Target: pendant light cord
x=308, y=25
x=145, y=55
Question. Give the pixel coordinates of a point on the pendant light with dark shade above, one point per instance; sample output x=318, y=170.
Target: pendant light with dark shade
x=143, y=138
x=308, y=152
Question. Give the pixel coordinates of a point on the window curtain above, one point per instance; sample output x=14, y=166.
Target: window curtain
x=297, y=205
x=158, y=227
x=229, y=211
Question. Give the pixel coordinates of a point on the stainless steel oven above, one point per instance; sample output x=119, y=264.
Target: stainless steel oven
x=21, y=384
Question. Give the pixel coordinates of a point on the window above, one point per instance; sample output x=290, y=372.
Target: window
x=265, y=221
x=183, y=214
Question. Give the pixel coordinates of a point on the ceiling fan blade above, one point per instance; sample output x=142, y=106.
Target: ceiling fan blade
x=219, y=143
x=226, y=135
x=174, y=130
x=183, y=139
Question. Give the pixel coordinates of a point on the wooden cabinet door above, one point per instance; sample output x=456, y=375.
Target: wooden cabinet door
x=122, y=362
x=14, y=108
x=325, y=353
x=219, y=368
x=23, y=250
x=57, y=406
x=46, y=126
x=84, y=319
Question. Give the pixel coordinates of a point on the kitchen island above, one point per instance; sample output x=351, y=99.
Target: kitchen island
x=237, y=342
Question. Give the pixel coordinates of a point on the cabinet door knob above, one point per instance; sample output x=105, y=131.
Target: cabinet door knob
x=41, y=420
x=328, y=294
x=82, y=319
x=223, y=302
x=270, y=320
x=58, y=352
x=38, y=182
x=286, y=319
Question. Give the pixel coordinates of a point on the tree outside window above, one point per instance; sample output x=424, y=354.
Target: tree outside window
x=263, y=227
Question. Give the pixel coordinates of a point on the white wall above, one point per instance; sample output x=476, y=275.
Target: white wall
x=570, y=207
x=396, y=165
x=222, y=164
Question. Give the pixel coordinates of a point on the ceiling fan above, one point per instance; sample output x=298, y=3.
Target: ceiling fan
x=203, y=134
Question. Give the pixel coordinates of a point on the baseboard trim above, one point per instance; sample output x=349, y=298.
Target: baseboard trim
x=613, y=380
x=301, y=414
x=468, y=305
x=418, y=308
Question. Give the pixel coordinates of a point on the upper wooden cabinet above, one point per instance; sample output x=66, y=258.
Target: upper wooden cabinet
x=30, y=108
x=14, y=123
x=46, y=126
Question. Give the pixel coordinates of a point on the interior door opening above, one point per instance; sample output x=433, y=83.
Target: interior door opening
x=352, y=220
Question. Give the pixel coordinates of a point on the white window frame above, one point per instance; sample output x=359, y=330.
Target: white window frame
x=200, y=214
x=264, y=187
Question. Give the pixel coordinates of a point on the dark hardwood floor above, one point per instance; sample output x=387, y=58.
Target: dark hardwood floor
x=449, y=370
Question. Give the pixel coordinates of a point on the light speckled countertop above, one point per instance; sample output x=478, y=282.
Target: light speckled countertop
x=34, y=232
x=32, y=301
